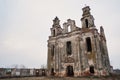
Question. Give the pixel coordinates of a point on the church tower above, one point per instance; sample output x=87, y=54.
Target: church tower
x=56, y=29
x=87, y=19
x=75, y=51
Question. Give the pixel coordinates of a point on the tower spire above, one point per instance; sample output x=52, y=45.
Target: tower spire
x=86, y=10
x=56, y=28
x=56, y=21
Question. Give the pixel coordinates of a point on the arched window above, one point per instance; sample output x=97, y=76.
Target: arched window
x=69, y=29
x=86, y=23
x=88, y=44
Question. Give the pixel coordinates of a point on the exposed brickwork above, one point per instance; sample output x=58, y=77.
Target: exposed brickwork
x=77, y=51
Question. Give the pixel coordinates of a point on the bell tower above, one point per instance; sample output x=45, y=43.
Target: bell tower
x=87, y=19
x=56, y=28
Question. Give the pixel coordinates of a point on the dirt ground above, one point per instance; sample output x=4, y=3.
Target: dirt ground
x=66, y=78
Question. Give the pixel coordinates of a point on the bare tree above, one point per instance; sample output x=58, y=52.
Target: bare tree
x=18, y=66
x=43, y=66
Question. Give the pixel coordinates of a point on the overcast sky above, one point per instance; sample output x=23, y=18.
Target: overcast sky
x=25, y=27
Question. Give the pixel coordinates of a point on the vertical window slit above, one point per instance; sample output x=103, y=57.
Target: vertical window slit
x=88, y=44
x=86, y=22
x=53, y=32
x=69, y=50
x=53, y=51
x=69, y=29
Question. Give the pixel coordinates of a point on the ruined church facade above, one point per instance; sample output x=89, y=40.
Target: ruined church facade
x=75, y=51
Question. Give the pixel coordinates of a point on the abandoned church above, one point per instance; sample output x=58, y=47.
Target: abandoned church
x=75, y=51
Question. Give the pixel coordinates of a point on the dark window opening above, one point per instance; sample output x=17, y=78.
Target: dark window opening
x=43, y=72
x=53, y=32
x=8, y=71
x=86, y=22
x=92, y=69
x=37, y=72
x=69, y=50
x=52, y=71
x=53, y=51
x=88, y=44
x=69, y=71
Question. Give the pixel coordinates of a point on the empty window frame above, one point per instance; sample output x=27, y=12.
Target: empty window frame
x=68, y=48
x=53, y=32
x=86, y=23
x=69, y=29
x=88, y=44
x=53, y=51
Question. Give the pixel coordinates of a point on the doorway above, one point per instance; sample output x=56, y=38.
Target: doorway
x=69, y=71
x=92, y=69
x=52, y=71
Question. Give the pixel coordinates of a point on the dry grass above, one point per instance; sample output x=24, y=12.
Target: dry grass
x=66, y=78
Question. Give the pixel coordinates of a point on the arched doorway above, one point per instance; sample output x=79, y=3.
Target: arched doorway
x=69, y=71
x=92, y=69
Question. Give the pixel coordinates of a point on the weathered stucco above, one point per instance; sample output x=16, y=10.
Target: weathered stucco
x=84, y=54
